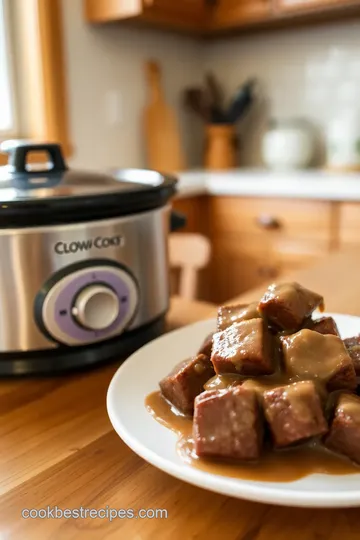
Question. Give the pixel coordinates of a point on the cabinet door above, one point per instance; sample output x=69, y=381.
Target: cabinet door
x=349, y=222
x=257, y=223
x=187, y=14
x=256, y=241
x=234, y=13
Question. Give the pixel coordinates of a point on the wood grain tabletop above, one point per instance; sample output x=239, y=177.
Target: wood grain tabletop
x=58, y=449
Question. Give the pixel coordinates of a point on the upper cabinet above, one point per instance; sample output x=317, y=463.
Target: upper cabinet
x=182, y=14
x=178, y=14
x=224, y=14
x=215, y=16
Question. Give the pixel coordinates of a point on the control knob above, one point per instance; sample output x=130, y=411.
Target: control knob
x=96, y=307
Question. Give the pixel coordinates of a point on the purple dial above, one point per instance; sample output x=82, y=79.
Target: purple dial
x=59, y=310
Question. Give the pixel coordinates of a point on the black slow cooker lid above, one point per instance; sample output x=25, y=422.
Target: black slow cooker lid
x=31, y=197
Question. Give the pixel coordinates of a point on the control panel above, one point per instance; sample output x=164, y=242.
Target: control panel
x=87, y=302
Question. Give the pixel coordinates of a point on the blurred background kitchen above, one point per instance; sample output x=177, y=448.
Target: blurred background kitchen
x=254, y=104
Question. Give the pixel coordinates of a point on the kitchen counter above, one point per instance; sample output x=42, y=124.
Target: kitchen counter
x=309, y=184
x=58, y=449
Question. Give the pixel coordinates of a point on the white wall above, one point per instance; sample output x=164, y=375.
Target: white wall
x=304, y=72
x=110, y=57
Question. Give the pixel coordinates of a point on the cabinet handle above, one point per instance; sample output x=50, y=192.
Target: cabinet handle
x=268, y=222
x=268, y=272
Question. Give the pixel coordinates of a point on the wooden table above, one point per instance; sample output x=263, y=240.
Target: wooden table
x=57, y=448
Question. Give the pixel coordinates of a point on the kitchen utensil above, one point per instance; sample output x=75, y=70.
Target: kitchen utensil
x=343, y=141
x=241, y=102
x=216, y=99
x=84, y=268
x=288, y=144
x=163, y=145
x=157, y=444
x=220, y=147
x=195, y=100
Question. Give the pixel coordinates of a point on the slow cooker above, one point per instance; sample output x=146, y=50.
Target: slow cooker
x=84, y=262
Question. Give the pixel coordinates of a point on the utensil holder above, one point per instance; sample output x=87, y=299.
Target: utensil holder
x=221, y=146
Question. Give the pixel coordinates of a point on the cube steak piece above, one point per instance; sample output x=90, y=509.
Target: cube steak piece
x=186, y=381
x=310, y=355
x=206, y=346
x=288, y=305
x=294, y=413
x=228, y=424
x=326, y=325
x=344, y=435
x=353, y=347
x=228, y=315
x=244, y=348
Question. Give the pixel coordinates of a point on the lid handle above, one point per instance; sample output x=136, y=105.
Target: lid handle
x=18, y=155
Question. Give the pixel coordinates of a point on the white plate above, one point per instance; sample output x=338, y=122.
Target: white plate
x=139, y=376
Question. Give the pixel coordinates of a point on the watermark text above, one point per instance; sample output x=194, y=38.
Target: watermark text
x=55, y=512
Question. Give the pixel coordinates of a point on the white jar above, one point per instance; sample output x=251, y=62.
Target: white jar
x=343, y=140
x=288, y=144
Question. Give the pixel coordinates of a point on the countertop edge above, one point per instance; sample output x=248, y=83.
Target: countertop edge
x=317, y=185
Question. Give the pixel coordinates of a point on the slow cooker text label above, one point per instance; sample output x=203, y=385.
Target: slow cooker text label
x=100, y=242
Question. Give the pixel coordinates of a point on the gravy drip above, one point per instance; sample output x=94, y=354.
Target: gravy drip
x=281, y=466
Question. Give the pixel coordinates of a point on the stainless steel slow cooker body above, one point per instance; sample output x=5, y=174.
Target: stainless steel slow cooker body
x=84, y=263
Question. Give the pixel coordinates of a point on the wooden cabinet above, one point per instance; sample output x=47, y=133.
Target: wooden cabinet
x=227, y=14
x=182, y=15
x=213, y=16
x=195, y=15
x=349, y=225
x=195, y=209
x=263, y=219
x=256, y=240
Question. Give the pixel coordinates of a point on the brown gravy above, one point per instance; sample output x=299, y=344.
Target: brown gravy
x=283, y=466
x=228, y=315
x=312, y=355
